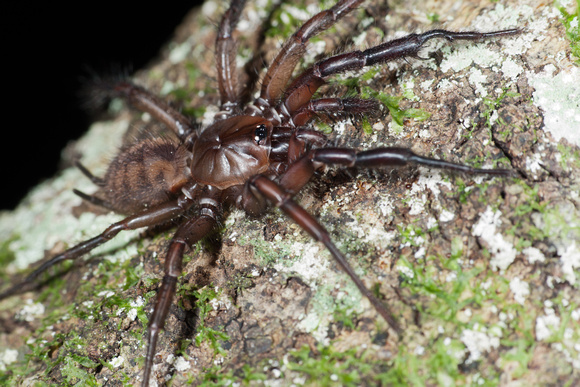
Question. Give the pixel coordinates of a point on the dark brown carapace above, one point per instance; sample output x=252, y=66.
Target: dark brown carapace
x=251, y=157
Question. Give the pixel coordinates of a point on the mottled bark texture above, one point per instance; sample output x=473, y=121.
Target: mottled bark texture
x=481, y=272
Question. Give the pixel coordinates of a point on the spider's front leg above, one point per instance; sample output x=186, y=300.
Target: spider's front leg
x=225, y=55
x=391, y=157
x=304, y=86
x=280, y=70
x=301, y=171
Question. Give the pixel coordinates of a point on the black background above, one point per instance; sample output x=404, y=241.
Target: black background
x=46, y=51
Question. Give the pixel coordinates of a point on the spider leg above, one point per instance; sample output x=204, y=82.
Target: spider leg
x=392, y=157
x=282, y=199
x=145, y=101
x=300, y=172
x=160, y=214
x=297, y=140
x=281, y=68
x=329, y=106
x=305, y=85
x=225, y=53
x=188, y=234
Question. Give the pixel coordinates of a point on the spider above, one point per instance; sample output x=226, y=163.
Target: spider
x=251, y=157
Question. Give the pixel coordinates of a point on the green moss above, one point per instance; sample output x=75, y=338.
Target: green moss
x=392, y=103
x=283, y=23
x=569, y=157
x=571, y=22
x=409, y=234
x=266, y=252
x=438, y=366
x=6, y=254
x=328, y=367
x=73, y=371
x=240, y=282
x=205, y=333
x=183, y=94
x=433, y=17
x=491, y=106
x=447, y=284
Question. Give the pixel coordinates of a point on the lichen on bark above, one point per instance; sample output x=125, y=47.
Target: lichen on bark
x=483, y=273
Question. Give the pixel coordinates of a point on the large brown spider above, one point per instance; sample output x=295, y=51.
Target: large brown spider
x=252, y=156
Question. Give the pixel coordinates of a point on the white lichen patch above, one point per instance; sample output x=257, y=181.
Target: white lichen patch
x=570, y=261
x=511, y=69
x=534, y=255
x=370, y=231
x=520, y=290
x=503, y=252
x=311, y=262
x=457, y=60
x=547, y=324
x=45, y=217
x=428, y=180
x=132, y=312
x=181, y=364
x=323, y=304
x=106, y=294
x=446, y=216
x=534, y=164
x=30, y=311
x=7, y=357
x=478, y=341
x=559, y=97
x=502, y=17
x=221, y=302
x=180, y=52
x=478, y=80
x=117, y=361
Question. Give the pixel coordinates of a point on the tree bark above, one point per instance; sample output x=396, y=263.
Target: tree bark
x=481, y=272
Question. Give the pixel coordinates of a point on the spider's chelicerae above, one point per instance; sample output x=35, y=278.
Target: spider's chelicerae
x=254, y=155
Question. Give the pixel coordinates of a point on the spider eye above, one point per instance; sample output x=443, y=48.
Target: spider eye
x=260, y=134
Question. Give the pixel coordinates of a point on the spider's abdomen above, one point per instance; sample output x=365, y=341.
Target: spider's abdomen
x=146, y=174
x=229, y=152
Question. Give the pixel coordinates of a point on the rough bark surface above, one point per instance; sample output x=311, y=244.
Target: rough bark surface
x=482, y=273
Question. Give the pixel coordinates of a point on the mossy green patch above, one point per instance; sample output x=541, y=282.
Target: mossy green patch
x=357, y=88
x=6, y=254
x=205, y=333
x=571, y=22
x=329, y=367
x=267, y=253
x=569, y=157
x=183, y=94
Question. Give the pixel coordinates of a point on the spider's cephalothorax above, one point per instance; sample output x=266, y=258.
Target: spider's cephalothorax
x=250, y=157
